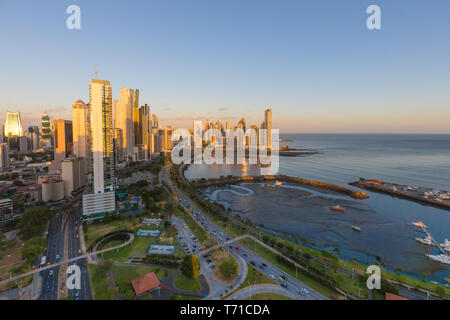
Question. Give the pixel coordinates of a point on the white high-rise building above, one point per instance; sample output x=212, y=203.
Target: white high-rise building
x=102, y=149
x=81, y=130
x=102, y=135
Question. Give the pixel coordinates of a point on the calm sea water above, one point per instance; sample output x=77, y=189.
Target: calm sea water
x=421, y=160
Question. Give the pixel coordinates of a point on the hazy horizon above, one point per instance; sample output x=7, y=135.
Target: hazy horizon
x=313, y=62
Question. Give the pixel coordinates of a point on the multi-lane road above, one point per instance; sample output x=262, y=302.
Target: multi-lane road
x=64, y=223
x=74, y=250
x=290, y=285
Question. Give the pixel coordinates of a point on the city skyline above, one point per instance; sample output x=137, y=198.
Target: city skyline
x=351, y=81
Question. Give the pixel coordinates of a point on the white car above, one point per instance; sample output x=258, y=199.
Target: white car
x=272, y=276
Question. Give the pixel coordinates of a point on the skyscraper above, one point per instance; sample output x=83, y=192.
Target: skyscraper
x=13, y=125
x=46, y=130
x=81, y=131
x=100, y=94
x=268, y=126
x=4, y=157
x=145, y=130
x=124, y=120
x=137, y=134
x=96, y=204
x=63, y=141
x=33, y=138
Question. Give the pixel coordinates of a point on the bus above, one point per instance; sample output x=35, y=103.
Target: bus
x=43, y=259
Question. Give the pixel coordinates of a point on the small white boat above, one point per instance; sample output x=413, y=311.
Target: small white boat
x=428, y=240
x=446, y=245
x=337, y=208
x=442, y=258
x=356, y=228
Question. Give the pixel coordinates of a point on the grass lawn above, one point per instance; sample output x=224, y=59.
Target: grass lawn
x=184, y=283
x=268, y=296
x=101, y=286
x=139, y=246
x=255, y=277
x=103, y=290
x=97, y=230
x=124, y=274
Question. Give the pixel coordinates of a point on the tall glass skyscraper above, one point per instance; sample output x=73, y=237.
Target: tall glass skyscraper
x=102, y=135
x=13, y=125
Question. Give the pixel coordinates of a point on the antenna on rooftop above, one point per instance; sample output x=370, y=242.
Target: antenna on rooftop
x=96, y=71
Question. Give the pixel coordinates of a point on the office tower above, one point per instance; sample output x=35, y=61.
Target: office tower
x=4, y=157
x=145, y=130
x=118, y=151
x=33, y=138
x=242, y=124
x=228, y=126
x=46, y=130
x=268, y=126
x=6, y=211
x=81, y=126
x=23, y=145
x=73, y=174
x=13, y=125
x=100, y=94
x=124, y=121
x=63, y=137
x=135, y=104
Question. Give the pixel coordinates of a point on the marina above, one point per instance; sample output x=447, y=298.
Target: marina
x=430, y=241
x=439, y=198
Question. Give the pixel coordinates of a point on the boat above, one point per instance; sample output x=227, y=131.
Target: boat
x=337, y=208
x=446, y=245
x=278, y=183
x=428, y=240
x=356, y=228
x=442, y=258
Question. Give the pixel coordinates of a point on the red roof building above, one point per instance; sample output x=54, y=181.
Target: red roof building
x=145, y=283
x=390, y=296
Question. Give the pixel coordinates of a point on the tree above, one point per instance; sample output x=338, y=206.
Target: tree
x=228, y=268
x=33, y=222
x=440, y=291
x=190, y=267
x=33, y=248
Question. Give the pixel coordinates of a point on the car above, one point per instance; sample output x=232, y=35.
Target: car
x=281, y=279
x=245, y=255
x=272, y=276
x=264, y=265
x=253, y=263
x=284, y=285
x=237, y=248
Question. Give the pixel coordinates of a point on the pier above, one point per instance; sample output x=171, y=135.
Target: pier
x=437, y=198
x=424, y=229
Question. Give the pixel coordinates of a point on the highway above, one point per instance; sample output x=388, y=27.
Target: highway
x=74, y=251
x=290, y=285
x=55, y=248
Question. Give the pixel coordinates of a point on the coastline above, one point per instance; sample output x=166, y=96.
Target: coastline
x=359, y=195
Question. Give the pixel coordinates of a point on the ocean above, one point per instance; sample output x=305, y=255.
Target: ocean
x=420, y=160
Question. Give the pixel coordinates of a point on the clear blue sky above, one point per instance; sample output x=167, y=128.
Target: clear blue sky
x=313, y=62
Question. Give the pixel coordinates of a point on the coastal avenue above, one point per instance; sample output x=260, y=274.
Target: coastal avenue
x=293, y=285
